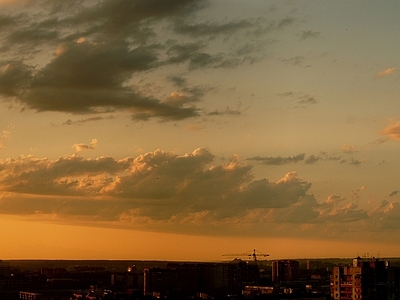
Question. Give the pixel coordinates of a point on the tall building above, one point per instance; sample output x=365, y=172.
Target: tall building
x=285, y=270
x=364, y=279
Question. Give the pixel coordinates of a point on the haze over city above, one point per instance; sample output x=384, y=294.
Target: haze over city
x=186, y=129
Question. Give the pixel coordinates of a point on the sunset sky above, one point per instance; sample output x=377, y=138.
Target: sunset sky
x=186, y=129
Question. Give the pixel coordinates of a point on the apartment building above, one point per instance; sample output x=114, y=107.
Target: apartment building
x=364, y=279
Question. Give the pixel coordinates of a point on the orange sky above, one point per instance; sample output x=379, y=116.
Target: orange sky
x=168, y=129
x=38, y=240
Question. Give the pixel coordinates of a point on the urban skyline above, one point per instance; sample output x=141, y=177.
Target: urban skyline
x=186, y=129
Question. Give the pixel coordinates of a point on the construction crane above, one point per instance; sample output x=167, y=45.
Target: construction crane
x=254, y=254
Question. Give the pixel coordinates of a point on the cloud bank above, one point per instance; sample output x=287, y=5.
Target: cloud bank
x=167, y=191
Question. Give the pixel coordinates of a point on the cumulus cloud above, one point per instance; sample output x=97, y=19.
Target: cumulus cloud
x=167, y=191
x=333, y=209
x=81, y=147
x=334, y=199
x=346, y=213
x=162, y=190
x=385, y=73
x=387, y=215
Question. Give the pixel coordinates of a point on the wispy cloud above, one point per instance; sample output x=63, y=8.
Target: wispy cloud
x=304, y=35
x=294, y=61
x=307, y=100
x=352, y=161
x=379, y=141
x=302, y=99
x=5, y=134
x=385, y=73
x=278, y=160
x=85, y=120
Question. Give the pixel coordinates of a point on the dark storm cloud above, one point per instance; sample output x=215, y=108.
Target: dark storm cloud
x=99, y=46
x=278, y=160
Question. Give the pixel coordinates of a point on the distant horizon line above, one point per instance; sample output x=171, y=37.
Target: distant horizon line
x=187, y=260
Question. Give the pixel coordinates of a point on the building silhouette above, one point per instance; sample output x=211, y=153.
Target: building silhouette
x=189, y=280
x=285, y=270
x=5, y=269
